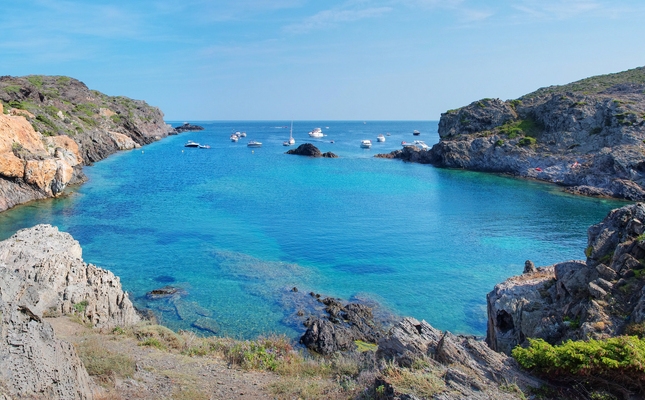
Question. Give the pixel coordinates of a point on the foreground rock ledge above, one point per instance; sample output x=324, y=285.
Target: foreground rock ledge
x=42, y=274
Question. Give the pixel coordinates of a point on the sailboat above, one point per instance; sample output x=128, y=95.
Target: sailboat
x=291, y=139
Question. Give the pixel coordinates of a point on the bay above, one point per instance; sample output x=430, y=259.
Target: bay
x=238, y=227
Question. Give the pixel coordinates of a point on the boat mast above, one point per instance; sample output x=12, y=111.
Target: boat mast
x=291, y=131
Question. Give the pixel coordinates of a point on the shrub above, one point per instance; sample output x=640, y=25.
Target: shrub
x=619, y=360
x=527, y=141
x=36, y=80
x=81, y=306
x=12, y=89
x=158, y=336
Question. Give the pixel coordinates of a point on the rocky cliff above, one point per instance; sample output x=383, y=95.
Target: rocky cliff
x=586, y=136
x=42, y=274
x=50, y=126
x=600, y=297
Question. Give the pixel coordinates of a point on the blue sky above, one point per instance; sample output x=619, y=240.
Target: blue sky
x=320, y=60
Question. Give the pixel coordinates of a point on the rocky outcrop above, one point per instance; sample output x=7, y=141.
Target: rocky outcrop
x=343, y=325
x=309, y=150
x=469, y=368
x=55, y=125
x=586, y=136
x=42, y=274
x=187, y=127
x=601, y=297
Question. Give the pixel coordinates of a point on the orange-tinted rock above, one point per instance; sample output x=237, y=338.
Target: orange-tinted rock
x=11, y=166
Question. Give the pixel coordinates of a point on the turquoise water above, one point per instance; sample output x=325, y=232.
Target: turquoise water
x=238, y=227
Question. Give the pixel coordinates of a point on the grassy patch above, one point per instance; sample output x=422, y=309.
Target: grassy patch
x=102, y=363
x=425, y=383
x=158, y=336
x=36, y=80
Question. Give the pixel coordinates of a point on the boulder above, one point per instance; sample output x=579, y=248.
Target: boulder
x=308, y=149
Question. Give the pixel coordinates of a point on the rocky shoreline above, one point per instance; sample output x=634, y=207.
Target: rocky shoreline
x=586, y=136
x=52, y=126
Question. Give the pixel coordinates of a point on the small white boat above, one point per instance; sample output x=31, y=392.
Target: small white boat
x=253, y=143
x=291, y=140
x=416, y=132
x=242, y=134
x=234, y=138
x=366, y=144
x=380, y=138
x=417, y=143
x=316, y=133
x=190, y=143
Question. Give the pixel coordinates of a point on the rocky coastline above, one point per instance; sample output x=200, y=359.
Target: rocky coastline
x=43, y=276
x=586, y=136
x=52, y=126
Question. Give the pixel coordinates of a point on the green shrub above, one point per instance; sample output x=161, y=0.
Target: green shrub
x=153, y=342
x=620, y=360
x=36, y=80
x=527, y=141
x=499, y=142
x=81, y=306
x=12, y=89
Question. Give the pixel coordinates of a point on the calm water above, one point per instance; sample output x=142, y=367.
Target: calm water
x=238, y=227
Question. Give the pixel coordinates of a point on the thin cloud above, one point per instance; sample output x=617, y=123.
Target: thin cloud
x=559, y=9
x=328, y=18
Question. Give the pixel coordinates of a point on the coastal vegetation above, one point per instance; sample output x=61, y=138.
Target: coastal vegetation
x=594, y=84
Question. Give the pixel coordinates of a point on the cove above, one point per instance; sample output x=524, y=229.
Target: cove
x=237, y=228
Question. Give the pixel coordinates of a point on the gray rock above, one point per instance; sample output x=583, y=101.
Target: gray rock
x=41, y=270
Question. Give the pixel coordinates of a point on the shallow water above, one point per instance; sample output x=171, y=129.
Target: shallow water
x=237, y=227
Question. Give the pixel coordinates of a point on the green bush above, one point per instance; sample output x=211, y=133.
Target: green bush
x=81, y=306
x=12, y=89
x=527, y=141
x=499, y=142
x=36, y=80
x=620, y=360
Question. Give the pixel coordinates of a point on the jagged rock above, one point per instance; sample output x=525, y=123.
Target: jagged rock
x=470, y=368
x=166, y=291
x=576, y=299
x=308, y=149
x=41, y=270
x=344, y=324
x=50, y=274
x=529, y=267
x=587, y=140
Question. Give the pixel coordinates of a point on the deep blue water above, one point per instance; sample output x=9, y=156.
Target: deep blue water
x=238, y=227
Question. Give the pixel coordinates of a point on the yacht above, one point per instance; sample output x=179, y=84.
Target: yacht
x=416, y=132
x=190, y=143
x=291, y=140
x=380, y=138
x=242, y=134
x=366, y=144
x=234, y=137
x=417, y=143
x=316, y=133
x=253, y=143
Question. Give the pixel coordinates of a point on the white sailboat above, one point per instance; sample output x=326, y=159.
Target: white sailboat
x=291, y=140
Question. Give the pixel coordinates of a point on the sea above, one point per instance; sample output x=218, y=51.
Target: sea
x=238, y=228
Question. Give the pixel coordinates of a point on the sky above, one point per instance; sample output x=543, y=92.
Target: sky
x=201, y=60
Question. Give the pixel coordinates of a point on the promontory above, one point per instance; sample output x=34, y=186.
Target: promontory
x=587, y=136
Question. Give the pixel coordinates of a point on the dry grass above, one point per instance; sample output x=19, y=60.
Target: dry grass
x=294, y=387
x=102, y=363
x=425, y=382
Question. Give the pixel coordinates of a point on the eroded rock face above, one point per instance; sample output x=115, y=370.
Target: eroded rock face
x=66, y=126
x=42, y=273
x=471, y=370
x=601, y=297
x=589, y=143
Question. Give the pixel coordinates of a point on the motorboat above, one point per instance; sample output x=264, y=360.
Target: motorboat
x=234, y=137
x=291, y=140
x=316, y=133
x=417, y=143
x=253, y=143
x=380, y=138
x=416, y=132
x=242, y=134
x=366, y=144
x=190, y=143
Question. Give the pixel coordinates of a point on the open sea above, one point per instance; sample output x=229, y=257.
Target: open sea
x=236, y=228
